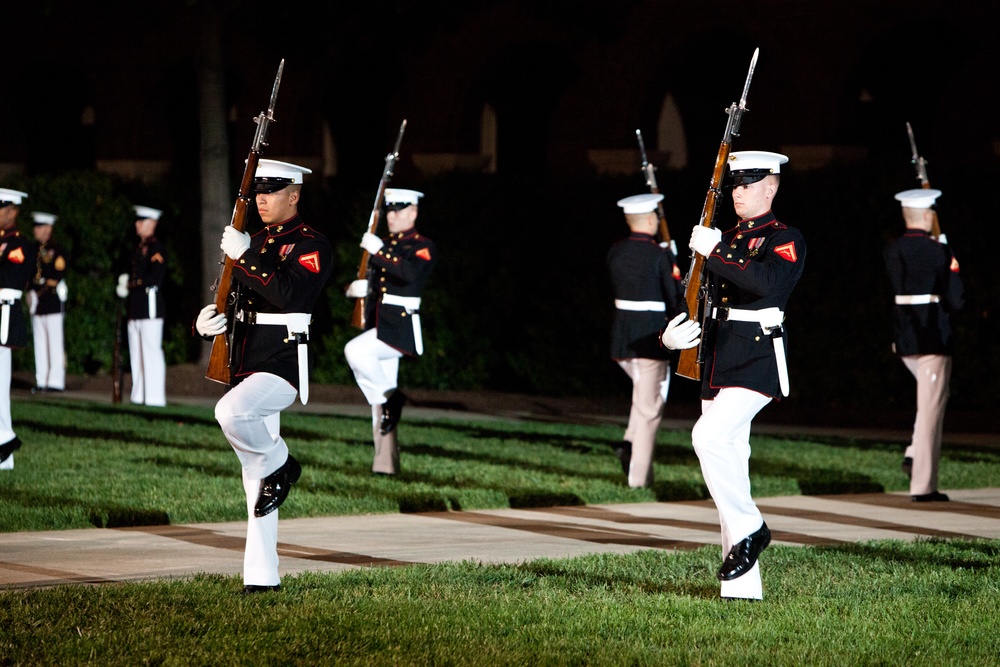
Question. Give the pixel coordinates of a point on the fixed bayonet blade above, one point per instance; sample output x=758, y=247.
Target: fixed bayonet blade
x=913, y=142
x=642, y=148
x=746, y=86
x=274, y=90
x=399, y=139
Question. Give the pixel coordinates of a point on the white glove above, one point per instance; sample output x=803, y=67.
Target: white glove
x=681, y=335
x=234, y=243
x=210, y=322
x=371, y=243
x=942, y=239
x=62, y=290
x=32, y=300
x=122, y=289
x=358, y=289
x=704, y=239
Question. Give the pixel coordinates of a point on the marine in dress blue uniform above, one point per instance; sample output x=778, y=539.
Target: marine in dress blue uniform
x=17, y=265
x=927, y=289
x=144, y=308
x=278, y=275
x=752, y=268
x=47, y=305
x=646, y=283
x=398, y=268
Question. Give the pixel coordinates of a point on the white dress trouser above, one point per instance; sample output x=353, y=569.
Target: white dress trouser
x=649, y=379
x=149, y=366
x=721, y=439
x=6, y=427
x=250, y=417
x=50, y=355
x=932, y=373
x=375, y=365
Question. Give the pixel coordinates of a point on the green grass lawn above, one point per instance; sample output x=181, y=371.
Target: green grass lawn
x=931, y=602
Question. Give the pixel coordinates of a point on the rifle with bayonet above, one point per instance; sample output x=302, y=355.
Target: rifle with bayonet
x=649, y=173
x=921, y=166
x=358, y=317
x=696, y=294
x=219, y=361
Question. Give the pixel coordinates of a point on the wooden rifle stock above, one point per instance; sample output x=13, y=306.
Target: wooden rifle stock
x=696, y=295
x=219, y=360
x=689, y=363
x=358, y=316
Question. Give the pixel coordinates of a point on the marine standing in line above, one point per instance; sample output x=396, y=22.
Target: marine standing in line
x=278, y=275
x=47, y=305
x=143, y=288
x=646, y=283
x=17, y=263
x=752, y=269
x=397, y=272
x=927, y=289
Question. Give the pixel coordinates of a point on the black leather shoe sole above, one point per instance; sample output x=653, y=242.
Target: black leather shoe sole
x=907, y=466
x=392, y=410
x=275, y=487
x=743, y=555
x=251, y=589
x=624, y=454
x=935, y=497
x=9, y=447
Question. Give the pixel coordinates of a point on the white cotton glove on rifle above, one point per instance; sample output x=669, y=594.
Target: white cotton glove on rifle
x=371, y=243
x=122, y=288
x=358, y=289
x=704, y=239
x=681, y=334
x=62, y=291
x=234, y=243
x=210, y=322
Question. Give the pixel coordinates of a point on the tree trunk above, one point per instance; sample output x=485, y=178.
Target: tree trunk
x=216, y=204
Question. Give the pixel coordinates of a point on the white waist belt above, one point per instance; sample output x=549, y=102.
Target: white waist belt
x=916, y=299
x=770, y=320
x=7, y=298
x=411, y=303
x=298, y=330
x=640, y=306
x=412, y=306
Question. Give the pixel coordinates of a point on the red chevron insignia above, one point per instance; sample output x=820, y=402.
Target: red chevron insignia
x=424, y=254
x=16, y=255
x=787, y=251
x=310, y=261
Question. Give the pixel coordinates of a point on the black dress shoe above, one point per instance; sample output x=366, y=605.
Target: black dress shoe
x=9, y=447
x=250, y=589
x=743, y=555
x=274, y=488
x=907, y=466
x=392, y=410
x=934, y=497
x=624, y=454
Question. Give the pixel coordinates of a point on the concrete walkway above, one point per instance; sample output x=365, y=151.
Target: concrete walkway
x=94, y=556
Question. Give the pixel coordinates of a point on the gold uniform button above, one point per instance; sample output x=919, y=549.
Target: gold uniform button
x=750, y=224
x=270, y=240
x=738, y=237
x=263, y=275
x=756, y=338
x=729, y=256
x=725, y=299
